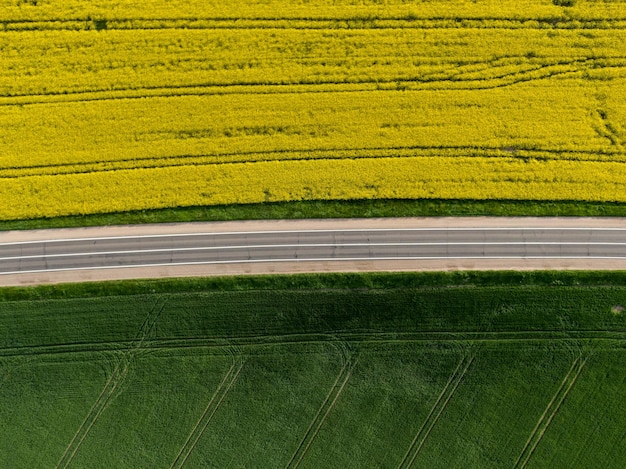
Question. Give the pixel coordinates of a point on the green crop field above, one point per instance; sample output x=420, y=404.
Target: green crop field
x=472, y=375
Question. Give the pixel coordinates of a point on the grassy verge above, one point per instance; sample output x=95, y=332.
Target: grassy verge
x=436, y=370
x=330, y=209
x=326, y=281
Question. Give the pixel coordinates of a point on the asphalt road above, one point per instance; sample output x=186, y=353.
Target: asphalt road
x=65, y=254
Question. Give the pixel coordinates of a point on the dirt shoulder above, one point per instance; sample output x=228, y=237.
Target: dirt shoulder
x=315, y=224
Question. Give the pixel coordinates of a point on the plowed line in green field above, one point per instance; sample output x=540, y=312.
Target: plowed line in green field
x=551, y=409
x=203, y=422
x=435, y=412
x=188, y=343
x=321, y=415
x=110, y=388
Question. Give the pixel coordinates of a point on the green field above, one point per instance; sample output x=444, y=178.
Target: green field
x=241, y=374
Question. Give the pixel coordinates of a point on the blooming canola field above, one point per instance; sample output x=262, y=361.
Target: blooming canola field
x=109, y=106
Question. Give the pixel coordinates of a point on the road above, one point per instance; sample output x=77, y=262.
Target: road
x=315, y=245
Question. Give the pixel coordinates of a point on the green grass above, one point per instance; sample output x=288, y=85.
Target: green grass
x=330, y=209
x=445, y=370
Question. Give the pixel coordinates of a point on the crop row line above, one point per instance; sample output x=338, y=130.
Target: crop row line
x=435, y=412
x=613, y=339
x=175, y=162
x=550, y=411
x=576, y=68
x=207, y=415
x=358, y=23
x=322, y=413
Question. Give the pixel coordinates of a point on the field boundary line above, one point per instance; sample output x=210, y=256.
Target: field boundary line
x=550, y=411
x=203, y=422
x=321, y=415
x=438, y=408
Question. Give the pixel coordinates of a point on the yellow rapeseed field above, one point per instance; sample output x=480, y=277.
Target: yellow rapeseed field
x=119, y=105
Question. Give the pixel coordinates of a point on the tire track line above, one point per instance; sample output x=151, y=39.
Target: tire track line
x=551, y=410
x=93, y=409
x=303, y=86
x=13, y=172
x=321, y=415
x=432, y=410
x=300, y=22
x=212, y=407
x=184, y=343
x=204, y=414
x=117, y=377
x=545, y=412
x=433, y=416
x=557, y=408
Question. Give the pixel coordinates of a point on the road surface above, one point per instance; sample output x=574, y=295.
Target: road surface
x=50, y=256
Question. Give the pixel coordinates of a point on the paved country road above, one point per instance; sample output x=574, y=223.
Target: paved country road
x=50, y=256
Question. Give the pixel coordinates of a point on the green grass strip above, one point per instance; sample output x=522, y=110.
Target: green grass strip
x=324, y=281
x=329, y=209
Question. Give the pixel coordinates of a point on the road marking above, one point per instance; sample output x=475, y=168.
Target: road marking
x=348, y=230
x=307, y=245
x=322, y=259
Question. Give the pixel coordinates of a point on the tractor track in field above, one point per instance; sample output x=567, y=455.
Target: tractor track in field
x=318, y=154
x=322, y=413
x=313, y=339
x=550, y=411
x=111, y=387
x=436, y=410
x=537, y=71
x=353, y=22
x=207, y=415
